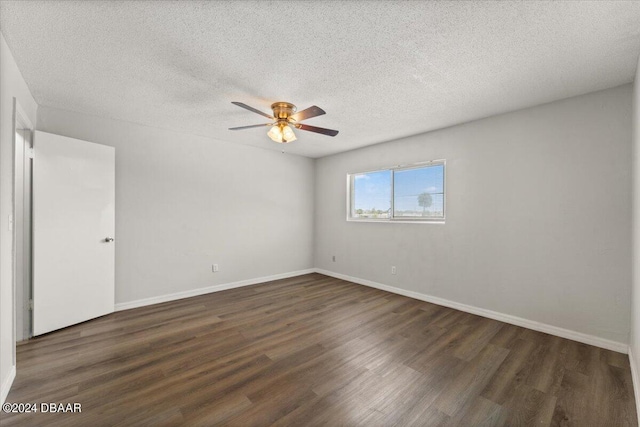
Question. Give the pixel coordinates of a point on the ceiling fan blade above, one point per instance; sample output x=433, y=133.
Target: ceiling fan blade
x=240, y=104
x=252, y=126
x=329, y=132
x=307, y=113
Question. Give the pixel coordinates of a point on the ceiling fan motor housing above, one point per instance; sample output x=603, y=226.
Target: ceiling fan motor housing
x=282, y=110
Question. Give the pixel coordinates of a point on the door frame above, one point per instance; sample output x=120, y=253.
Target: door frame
x=21, y=122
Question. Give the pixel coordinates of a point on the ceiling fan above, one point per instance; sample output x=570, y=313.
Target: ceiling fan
x=285, y=116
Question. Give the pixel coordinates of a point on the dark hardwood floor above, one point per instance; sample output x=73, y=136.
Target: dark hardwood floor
x=313, y=350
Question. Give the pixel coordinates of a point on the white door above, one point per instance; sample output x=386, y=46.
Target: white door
x=73, y=231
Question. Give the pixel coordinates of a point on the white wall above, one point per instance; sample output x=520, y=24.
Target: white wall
x=12, y=85
x=184, y=202
x=634, y=346
x=538, y=216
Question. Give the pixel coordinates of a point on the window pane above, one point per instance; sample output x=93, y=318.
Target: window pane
x=371, y=195
x=419, y=192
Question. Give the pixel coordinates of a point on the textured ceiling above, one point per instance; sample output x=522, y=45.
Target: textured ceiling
x=381, y=70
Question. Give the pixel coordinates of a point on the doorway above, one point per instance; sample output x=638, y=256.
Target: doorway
x=22, y=224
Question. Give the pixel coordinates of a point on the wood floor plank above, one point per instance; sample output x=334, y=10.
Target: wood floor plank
x=512, y=373
x=481, y=413
x=527, y=406
x=467, y=385
x=547, y=368
x=315, y=350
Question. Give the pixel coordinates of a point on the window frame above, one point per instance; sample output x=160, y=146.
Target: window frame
x=393, y=169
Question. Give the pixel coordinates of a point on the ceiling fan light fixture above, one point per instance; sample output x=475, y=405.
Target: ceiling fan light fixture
x=275, y=134
x=287, y=134
x=281, y=133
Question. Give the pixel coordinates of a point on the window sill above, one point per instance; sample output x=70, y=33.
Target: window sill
x=400, y=221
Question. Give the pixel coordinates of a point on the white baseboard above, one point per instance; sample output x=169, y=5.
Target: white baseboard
x=6, y=384
x=507, y=318
x=201, y=291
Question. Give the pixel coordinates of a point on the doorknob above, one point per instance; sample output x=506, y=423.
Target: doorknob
x=108, y=239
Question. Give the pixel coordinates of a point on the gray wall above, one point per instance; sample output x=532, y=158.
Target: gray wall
x=12, y=85
x=538, y=216
x=635, y=310
x=184, y=202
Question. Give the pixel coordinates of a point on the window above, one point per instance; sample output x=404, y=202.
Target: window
x=406, y=193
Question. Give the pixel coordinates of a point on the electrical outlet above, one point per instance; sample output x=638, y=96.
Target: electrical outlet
x=393, y=269
x=333, y=258
x=214, y=268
